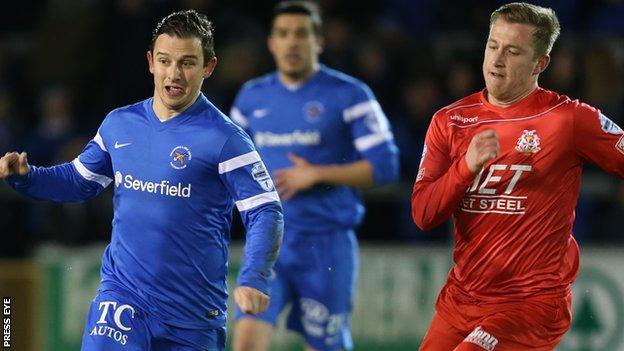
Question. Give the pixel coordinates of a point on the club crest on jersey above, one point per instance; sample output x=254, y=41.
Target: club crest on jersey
x=180, y=157
x=260, y=175
x=528, y=142
x=312, y=111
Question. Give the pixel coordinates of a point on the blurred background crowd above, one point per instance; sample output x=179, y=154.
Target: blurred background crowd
x=65, y=64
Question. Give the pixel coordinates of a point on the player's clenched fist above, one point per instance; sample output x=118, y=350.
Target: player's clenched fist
x=251, y=300
x=13, y=163
x=483, y=147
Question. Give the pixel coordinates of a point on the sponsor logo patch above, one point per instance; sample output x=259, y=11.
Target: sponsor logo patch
x=118, y=331
x=260, y=175
x=420, y=175
x=608, y=126
x=482, y=338
x=297, y=137
x=164, y=187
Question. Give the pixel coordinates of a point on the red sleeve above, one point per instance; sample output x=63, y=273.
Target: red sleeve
x=598, y=140
x=442, y=180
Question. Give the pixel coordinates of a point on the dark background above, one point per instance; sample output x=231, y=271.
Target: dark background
x=65, y=64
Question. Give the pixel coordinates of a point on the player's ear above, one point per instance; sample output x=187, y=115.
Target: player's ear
x=150, y=61
x=320, y=43
x=542, y=63
x=209, y=67
x=270, y=44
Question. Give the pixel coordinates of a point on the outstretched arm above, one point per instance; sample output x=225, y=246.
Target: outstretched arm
x=85, y=177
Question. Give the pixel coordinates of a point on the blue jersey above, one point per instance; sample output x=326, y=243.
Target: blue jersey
x=330, y=119
x=176, y=183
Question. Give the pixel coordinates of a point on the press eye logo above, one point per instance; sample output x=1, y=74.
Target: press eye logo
x=6, y=323
x=181, y=156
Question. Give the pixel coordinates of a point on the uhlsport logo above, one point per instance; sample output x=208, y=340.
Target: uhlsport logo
x=159, y=188
x=463, y=119
x=119, y=331
x=181, y=156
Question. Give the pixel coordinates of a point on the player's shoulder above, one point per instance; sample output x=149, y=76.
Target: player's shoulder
x=213, y=120
x=259, y=83
x=341, y=80
x=551, y=100
x=126, y=113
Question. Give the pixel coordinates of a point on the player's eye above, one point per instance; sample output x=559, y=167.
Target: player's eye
x=280, y=33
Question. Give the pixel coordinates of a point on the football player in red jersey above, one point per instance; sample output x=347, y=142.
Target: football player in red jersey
x=505, y=163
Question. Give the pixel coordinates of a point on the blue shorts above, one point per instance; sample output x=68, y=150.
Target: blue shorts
x=115, y=322
x=315, y=274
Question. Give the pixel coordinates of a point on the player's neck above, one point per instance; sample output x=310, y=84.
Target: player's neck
x=510, y=100
x=163, y=113
x=295, y=80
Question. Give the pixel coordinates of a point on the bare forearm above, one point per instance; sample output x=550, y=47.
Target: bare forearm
x=358, y=174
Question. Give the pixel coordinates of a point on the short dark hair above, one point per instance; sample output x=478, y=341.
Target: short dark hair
x=300, y=7
x=188, y=24
x=544, y=20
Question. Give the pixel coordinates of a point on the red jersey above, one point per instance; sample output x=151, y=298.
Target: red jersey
x=513, y=221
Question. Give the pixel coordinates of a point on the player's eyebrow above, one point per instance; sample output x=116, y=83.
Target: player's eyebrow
x=160, y=53
x=493, y=41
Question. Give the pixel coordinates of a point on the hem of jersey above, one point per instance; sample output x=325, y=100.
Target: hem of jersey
x=116, y=286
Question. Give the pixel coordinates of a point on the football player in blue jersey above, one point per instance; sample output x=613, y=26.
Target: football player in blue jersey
x=322, y=135
x=178, y=166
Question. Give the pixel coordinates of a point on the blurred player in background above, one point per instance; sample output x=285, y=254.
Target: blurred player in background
x=506, y=164
x=322, y=134
x=178, y=165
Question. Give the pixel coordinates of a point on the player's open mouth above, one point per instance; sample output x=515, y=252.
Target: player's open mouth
x=173, y=90
x=292, y=57
x=497, y=75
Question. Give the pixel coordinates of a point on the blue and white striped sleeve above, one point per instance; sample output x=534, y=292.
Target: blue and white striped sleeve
x=85, y=177
x=249, y=183
x=372, y=135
